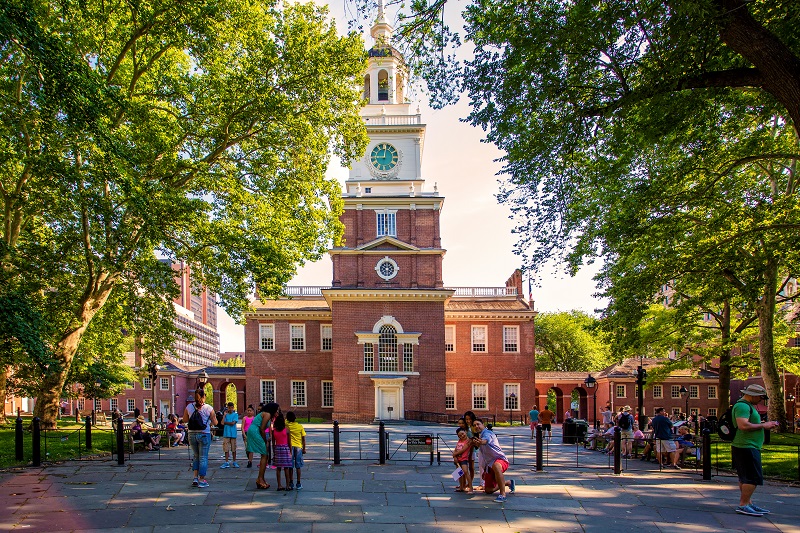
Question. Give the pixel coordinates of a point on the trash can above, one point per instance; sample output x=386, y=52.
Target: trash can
x=568, y=431
x=581, y=430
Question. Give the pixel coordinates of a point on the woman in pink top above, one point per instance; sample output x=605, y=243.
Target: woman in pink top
x=283, y=452
x=246, y=421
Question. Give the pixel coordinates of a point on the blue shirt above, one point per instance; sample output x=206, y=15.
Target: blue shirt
x=230, y=431
x=491, y=451
x=662, y=427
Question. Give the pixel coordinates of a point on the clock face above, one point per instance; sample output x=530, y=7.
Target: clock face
x=384, y=157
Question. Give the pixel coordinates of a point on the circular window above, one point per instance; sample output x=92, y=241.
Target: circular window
x=387, y=268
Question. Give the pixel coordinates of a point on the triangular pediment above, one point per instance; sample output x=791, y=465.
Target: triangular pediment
x=387, y=243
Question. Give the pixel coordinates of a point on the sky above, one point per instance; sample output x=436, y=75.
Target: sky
x=475, y=227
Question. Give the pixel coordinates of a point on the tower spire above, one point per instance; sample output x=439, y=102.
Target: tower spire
x=381, y=31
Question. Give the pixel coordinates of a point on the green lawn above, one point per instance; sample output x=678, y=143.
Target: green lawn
x=780, y=458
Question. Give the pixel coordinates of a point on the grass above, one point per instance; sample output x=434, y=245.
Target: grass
x=780, y=459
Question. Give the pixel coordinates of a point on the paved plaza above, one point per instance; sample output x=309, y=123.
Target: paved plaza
x=575, y=492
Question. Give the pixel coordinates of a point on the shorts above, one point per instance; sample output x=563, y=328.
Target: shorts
x=503, y=464
x=547, y=427
x=534, y=424
x=665, y=446
x=464, y=465
x=489, y=481
x=228, y=444
x=297, y=457
x=626, y=434
x=747, y=462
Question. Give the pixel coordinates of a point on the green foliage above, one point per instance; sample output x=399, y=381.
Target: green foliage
x=570, y=342
x=234, y=362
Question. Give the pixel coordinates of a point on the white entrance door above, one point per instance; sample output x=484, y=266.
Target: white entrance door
x=165, y=408
x=389, y=404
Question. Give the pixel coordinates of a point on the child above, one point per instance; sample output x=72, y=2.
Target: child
x=298, y=433
x=461, y=458
x=229, y=421
x=246, y=421
x=283, y=453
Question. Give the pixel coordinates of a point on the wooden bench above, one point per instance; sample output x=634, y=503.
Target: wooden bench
x=127, y=436
x=99, y=416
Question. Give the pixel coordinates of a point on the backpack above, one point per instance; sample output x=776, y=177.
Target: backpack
x=726, y=428
x=196, y=422
x=625, y=421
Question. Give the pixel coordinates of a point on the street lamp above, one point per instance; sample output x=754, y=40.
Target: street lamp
x=513, y=398
x=97, y=385
x=153, y=369
x=591, y=383
x=790, y=398
x=685, y=394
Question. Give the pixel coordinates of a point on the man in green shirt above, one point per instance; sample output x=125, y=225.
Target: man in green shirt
x=746, y=447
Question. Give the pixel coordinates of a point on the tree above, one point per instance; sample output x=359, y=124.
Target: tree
x=672, y=126
x=134, y=132
x=233, y=362
x=570, y=342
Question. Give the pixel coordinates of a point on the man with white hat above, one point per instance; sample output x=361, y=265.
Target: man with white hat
x=746, y=447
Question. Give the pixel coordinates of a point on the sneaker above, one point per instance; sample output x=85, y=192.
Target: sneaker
x=290, y=487
x=194, y=482
x=299, y=486
x=249, y=464
x=225, y=465
x=758, y=509
x=235, y=464
x=748, y=510
x=513, y=486
x=676, y=467
x=202, y=484
x=500, y=499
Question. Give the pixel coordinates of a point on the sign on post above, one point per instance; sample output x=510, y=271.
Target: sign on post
x=416, y=443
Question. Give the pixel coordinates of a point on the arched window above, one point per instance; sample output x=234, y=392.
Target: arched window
x=366, y=87
x=383, y=86
x=387, y=349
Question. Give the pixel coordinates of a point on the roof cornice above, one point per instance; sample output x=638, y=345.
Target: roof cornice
x=490, y=315
x=288, y=314
x=397, y=295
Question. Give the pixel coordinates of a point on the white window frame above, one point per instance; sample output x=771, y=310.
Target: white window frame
x=98, y=404
x=508, y=390
x=324, y=329
x=266, y=337
x=262, y=390
x=676, y=411
x=485, y=396
x=694, y=411
x=298, y=388
x=327, y=384
x=147, y=384
x=408, y=357
x=694, y=392
x=675, y=391
x=369, y=357
x=450, y=398
x=80, y=404
x=163, y=383
x=712, y=411
x=301, y=339
x=148, y=403
x=506, y=343
x=473, y=330
x=658, y=391
x=450, y=347
x=113, y=404
x=712, y=392
x=617, y=389
x=387, y=226
x=131, y=405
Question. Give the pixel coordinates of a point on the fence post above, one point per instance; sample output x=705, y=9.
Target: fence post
x=539, y=454
x=337, y=457
x=382, y=443
x=617, y=453
x=37, y=442
x=18, y=439
x=88, y=433
x=120, y=441
x=706, y=455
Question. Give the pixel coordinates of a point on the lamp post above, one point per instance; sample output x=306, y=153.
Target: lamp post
x=685, y=394
x=790, y=398
x=513, y=398
x=153, y=369
x=591, y=383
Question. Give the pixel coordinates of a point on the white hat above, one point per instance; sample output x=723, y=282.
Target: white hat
x=755, y=390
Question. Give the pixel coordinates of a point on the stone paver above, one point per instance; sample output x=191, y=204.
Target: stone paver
x=576, y=492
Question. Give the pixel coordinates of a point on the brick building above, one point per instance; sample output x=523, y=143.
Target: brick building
x=387, y=340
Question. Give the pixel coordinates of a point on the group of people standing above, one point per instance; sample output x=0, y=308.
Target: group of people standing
x=476, y=441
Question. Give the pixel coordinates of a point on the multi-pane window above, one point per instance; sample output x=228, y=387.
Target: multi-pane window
x=675, y=391
x=480, y=392
x=694, y=391
x=298, y=393
x=676, y=411
x=267, y=390
x=148, y=403
x=658, y=391
x=98, y=406
x=511, y=394
x=266, y=333
x=369, y=357
x=131, y=405
x=387, y=349
x=297, y=334
x=81, y=404
x=478, y=338
x=147, y=384
x=450, y=396
x=113, y=404
x=408, y=357
x=387, y=223
x=621, y=391
x=449, y=338
x=327, y=394
x=511, y=338
x=326, y=334
x=164, y=382
x=694, y=411
x=712, y=411
x=712, y=392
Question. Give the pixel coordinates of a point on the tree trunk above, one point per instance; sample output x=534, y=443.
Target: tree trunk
x=766, y=322
x=724, y=394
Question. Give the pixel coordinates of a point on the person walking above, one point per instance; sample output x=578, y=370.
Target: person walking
x=200, y=417
x=625, y=422
x=534, y=414
x=546, y=419
x=746, y=447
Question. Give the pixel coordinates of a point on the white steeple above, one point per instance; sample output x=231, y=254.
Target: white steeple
x=381, y=31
